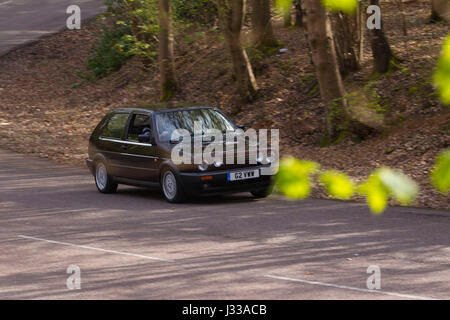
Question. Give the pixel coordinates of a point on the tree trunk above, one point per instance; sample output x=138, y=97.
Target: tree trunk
x=325, y=61
x=434, y=14
x=440, y=10
x=399, y=4
x=298, y=13
x=361, y=26
x=166, y=58
x=381, y=50
x=231, y=15
x=345, y=32
x=262, y=32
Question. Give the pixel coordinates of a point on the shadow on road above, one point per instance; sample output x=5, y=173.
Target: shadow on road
x=209, y=240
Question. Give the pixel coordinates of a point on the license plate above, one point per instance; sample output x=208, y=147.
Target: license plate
x=243, y=175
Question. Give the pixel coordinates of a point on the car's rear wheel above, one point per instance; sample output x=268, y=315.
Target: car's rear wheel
x=171, y=186
x=104, y=182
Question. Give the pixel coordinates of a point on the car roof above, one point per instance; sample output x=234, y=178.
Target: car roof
x=162, y=107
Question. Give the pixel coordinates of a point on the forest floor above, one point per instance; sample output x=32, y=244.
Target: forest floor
x=48, y=108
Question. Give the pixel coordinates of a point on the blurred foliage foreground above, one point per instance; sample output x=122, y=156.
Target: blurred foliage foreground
x=296, y=177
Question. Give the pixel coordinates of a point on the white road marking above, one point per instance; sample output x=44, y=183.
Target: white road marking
x=350, y=288
x=93, y=248
x=5, y=3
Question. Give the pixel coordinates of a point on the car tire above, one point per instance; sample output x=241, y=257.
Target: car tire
x=103, y=181
x=171, y=186
x=262, y=193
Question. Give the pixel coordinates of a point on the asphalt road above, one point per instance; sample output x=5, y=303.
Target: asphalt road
x=23, y=21
x=134, y=245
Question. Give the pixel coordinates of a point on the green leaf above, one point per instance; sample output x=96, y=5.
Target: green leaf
x=440, y=175
x=400, y=186
x=376, y=193
x=442, y=74
x=293, y=177
x=338, y=184
x=386, y=182
x=346, y=6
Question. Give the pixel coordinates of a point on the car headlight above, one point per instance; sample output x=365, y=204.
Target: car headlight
x=260, y=159
x=264, y=159
x=203, y=167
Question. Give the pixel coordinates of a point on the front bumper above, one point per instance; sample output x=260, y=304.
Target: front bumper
x=217, y=182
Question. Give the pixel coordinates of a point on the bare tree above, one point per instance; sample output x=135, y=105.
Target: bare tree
x=400, y=6
x=440, y=10
x=298, y=13
x=166, y=58
x=346, y=38
x=339, y=116
x=381, y=50
x=262, y=32
x=326, y=65
x=361, y=26
x=231, y=16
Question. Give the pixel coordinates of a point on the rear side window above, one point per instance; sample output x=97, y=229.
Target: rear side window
x=138, y=123
x=115, y=126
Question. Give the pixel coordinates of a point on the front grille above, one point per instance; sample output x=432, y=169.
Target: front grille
x=232, y=166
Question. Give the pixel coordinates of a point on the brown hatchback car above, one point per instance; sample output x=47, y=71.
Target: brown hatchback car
x=133, y=146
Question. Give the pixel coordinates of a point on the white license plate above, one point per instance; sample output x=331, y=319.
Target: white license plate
x=243, y=175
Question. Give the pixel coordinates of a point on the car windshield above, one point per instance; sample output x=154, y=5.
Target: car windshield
x=205, y=119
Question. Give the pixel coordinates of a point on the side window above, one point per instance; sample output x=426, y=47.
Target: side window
x=138, y=123
x=115, y=126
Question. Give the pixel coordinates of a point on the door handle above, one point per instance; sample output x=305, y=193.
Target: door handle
x=124, y=147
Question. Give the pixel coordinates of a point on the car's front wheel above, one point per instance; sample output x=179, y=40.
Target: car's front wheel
x=104, y=182
x=171, y=187
x=262, y=193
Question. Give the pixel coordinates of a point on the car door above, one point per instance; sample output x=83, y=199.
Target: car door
x=141, y=159
x=111, y=143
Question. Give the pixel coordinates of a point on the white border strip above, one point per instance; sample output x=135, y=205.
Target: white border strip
x=97, y=249
x=350, y=288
